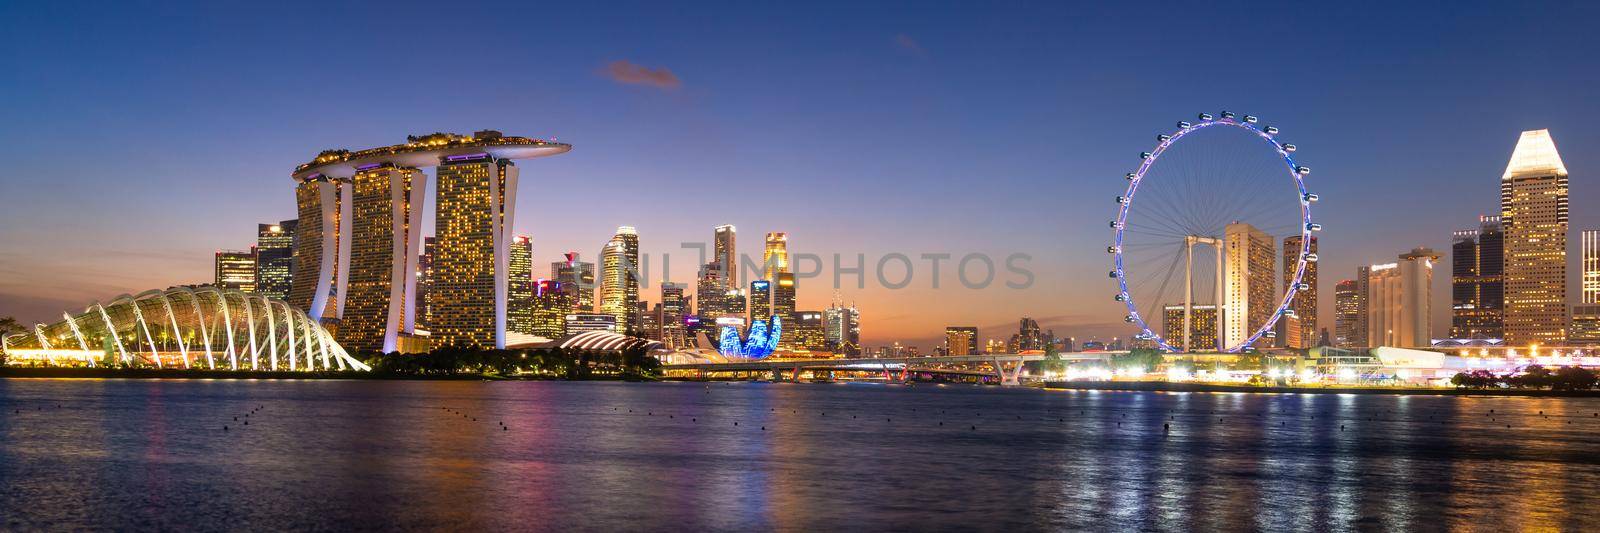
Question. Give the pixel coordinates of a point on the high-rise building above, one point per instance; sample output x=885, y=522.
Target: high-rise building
x=1249, y=291
x=710, y=292
x=519, y=288
x=760, y=300
x=385, y=243
x=321, y=246
x=783, y=296
x=806, y=330
x=841, y=328
x=1533, y=209
x=1345, y=314
x=473, y=220
x=961, y=340
x=581, y=322
x=1029, y=337
x=674, y=309
x=275, y=259
x=236, y=269
x=725, y=254
x=577, y=279
x=1590, y=256
x=1585, y=325
x=619, y=281
x=1204, y=327
x=776, y=257
x=425, y=284
x=1477, y=286
x=1399, y=295
x=1298, y=330
x=1358, y=330
x=551, y=305
x=650, y=324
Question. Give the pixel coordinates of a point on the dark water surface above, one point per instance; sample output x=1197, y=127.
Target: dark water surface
x=355, y=455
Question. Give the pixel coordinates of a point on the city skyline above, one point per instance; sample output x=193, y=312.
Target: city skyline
x=1049, y=152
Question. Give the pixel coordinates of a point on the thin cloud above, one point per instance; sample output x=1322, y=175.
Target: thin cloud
x=629, y=73
x=905, y=42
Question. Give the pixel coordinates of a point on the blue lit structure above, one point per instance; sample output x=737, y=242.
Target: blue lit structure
x=758, y=343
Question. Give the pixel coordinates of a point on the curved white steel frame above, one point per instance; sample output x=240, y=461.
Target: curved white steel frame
x=1296, y=173
x=167, y=332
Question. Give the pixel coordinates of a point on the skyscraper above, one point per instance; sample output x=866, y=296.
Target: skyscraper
x=725, y=254
x=425, y=284
x=806, y=330
x=385, y=243
x=519, y=288
x=711, y=290
x=321, y=246
x=577, y=279
x=1345, y=314
x=841, y=328
x=961, y=340
x=1590, y=240
x=275, y=259
x=760, y=300
x=783, y=296
x=1358, y=330
x=674, y=308
x=473, y=220
x=1477, y=286
x=1248, y=285
x=551, y=305
x=236, y=269
x=776, y=257
x=1299, y=330
x=619, y=282
x=1399, y=297
x=1203, y=327
x=1533, y=208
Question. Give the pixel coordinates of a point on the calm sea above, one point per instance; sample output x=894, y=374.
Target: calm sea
x=376, y=455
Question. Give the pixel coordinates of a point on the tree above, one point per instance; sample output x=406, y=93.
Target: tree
x=1573, y=378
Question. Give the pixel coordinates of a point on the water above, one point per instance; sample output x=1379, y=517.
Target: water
x=357, y=455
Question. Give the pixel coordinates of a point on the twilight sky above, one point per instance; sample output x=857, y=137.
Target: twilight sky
x=141, y=137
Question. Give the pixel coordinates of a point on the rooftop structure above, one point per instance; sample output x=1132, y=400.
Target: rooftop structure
x=427, y=151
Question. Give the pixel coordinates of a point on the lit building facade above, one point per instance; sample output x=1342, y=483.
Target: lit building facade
x=1204, y=327
x=961, y=340
x=1249, y=294
x=725, y=254
x=321, y=246
x=236, y=270
x=1477, y=282
x=1533, y=209
x=519, y=286
x=360, y=230
x=619, y=281
x=1585, y=325
x=1590, y=257
x=1299, y=329
x=807, y=331
x=783, y=295
x=1399, y=295
x=775, y=259
x=576, y=278
x=841, y=328
x=1345, y=314
x=674, y=309
x=760, y=300
x=425, y=284
x=550, y=308
x=711, y=289
x=385, y=242
x=275, y=259
x=473, y=250
x=581, y=322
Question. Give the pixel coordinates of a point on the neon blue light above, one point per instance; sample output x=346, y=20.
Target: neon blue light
x=728, y=342
x=772, y=336
x=755, y=342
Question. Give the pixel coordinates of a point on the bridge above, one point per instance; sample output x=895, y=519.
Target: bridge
x=1006, y=367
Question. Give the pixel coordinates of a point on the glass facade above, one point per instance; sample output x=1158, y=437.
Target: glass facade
x=236, y=270
x=1533, y=210
x=275, y=259
x=384, y=249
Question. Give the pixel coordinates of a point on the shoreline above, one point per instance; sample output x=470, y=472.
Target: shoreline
x=1163, y=386
x=151, y=373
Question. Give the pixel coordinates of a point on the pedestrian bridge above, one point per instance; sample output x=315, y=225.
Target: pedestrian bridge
x=1007, y=367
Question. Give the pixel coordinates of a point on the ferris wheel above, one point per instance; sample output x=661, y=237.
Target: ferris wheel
x=1221, y=186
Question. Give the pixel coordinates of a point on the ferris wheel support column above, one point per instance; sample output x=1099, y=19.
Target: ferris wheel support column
x=1188, y=292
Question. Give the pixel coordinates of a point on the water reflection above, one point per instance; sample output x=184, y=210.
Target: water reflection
x=141, y=454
